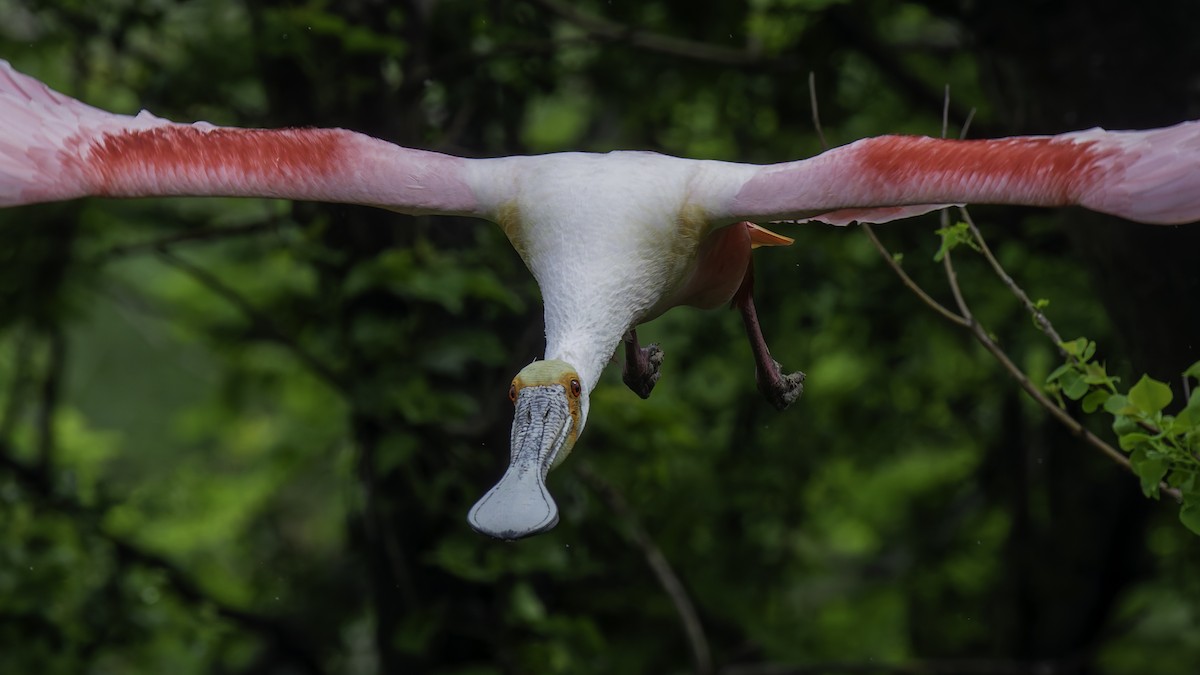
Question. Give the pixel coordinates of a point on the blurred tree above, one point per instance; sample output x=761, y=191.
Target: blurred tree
x=241, y=435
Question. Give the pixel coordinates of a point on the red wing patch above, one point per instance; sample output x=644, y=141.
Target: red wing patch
x=1048, y=170
x=135, y=163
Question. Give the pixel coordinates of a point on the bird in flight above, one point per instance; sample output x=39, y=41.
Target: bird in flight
x=614, y=240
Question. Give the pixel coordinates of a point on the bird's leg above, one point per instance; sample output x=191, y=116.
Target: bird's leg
x=642, y=365
x=781, y=390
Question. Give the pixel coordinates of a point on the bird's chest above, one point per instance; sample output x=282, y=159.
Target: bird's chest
x=622, y=240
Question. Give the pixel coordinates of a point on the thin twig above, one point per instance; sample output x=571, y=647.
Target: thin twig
x=866, y=227
x=912, y=285
x=966, y=124
x=1042, y=321
x=946, y=111
x=964, y=320
x=816, y=113
x=1073, y=425
x=215, y=285
x=956, y=290
x=693, y=629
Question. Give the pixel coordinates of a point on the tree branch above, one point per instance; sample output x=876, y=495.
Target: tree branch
x=1072, y=425
x=910, y=284
x=692, y=628
x=1042, y=321
x=965, y=319
x=883, y=251
x=816, y=111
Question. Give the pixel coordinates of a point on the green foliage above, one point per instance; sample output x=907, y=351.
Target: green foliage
x=952, y=237
x=1162, y=447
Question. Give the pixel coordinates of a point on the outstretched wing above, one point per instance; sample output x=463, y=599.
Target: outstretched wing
x=53, y=147
x=1148, y=176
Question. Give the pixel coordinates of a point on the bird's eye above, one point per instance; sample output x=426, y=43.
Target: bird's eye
x=576, y=390
x=512, y=393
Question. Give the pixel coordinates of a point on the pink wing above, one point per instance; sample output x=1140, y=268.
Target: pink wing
x=53, y=147
x=1148, y=176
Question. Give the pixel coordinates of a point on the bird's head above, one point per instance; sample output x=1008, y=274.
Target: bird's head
x=551, y=404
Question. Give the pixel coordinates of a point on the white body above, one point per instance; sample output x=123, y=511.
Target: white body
x=607, y=236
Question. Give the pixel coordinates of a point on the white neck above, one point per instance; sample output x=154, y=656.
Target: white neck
x=602, y=235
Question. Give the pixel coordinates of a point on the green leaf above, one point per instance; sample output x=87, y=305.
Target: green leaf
x=1193, y=371
x=1059, y=371
x=1123, y=425
x=1150, y=468
x=1117, y=404
x=1074, y=347
x=1185, y=481
x=1188, y=418
x=1089, y=350
x=952, y=236
x=1094, y=373
x=1038, y=305
x=1074, y=386
x=1094, y=400
x=1149, y=395
x=1189, y=515
x=1077, y=390
x=1132, y=440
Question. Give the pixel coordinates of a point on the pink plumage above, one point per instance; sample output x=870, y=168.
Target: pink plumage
x=53, y=147
x=1149, y=176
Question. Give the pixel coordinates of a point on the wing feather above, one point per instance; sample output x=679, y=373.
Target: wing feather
x=53, y=147
x=1148, y=176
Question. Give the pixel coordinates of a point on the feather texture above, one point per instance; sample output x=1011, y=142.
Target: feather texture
x=53, y=147
x=1149, y=176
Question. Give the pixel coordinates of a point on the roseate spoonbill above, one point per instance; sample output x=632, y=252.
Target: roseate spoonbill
x=613, y=239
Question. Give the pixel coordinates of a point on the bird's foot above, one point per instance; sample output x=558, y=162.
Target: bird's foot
x=780, y=390
x=642, y=366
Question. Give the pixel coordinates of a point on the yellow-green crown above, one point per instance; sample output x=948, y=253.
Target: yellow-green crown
x=550, y=371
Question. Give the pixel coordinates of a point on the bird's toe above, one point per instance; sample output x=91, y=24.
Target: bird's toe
x=642, y=371
x=782, y=390
x=654, y=356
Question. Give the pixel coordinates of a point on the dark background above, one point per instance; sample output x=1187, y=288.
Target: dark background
x=253, y=451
